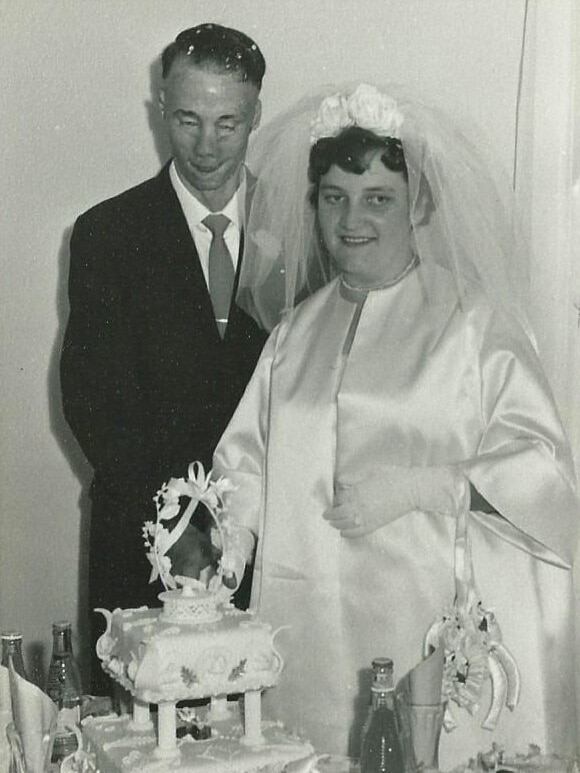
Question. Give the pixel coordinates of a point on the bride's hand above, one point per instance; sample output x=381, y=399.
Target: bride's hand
x=233, y=564
x=387, y=493
x=354, y=517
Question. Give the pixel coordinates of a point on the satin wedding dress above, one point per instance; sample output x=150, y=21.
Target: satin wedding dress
x=404, y=376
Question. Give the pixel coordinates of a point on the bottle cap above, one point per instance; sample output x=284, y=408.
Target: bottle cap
x=11, y=636
x=382, y=674
x=382, y=669
x=382, y=665
x=61, y=625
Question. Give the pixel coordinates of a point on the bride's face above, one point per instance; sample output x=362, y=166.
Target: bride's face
x=364, y=221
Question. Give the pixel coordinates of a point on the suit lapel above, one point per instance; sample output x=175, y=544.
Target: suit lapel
x=176, y=248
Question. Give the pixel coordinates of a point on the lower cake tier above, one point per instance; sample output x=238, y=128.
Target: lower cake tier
x=121, y=749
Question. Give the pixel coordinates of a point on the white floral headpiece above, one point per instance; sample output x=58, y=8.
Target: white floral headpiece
x=366, y=107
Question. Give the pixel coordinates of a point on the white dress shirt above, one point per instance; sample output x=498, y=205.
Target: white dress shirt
x=195, y=212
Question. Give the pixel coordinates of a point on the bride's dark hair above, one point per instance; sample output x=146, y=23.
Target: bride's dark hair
x=351, y=150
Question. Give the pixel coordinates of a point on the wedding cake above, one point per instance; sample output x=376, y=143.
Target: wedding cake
x=197, y=648
x=117, y=745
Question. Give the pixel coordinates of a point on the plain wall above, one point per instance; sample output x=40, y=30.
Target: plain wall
x=77, y=121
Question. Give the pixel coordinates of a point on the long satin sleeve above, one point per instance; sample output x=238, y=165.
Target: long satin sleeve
x=523, y=466
x=240, y=454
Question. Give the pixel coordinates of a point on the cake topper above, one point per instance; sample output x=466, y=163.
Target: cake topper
x=179, y=499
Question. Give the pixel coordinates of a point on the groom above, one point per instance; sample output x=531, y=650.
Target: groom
x=156, y=353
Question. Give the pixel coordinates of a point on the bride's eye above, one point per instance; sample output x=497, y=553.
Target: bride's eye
x=332, y=198
x=378, y=200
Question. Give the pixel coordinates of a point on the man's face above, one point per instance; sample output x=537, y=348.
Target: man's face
x=210, y=116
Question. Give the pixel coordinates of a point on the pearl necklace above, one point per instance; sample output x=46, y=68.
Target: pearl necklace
x=389, y=283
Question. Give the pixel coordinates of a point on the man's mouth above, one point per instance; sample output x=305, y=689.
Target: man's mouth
x=205, y=169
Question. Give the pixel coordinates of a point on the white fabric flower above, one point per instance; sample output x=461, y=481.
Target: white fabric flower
x=366, y=107
x=377, y=112
x=332, y=118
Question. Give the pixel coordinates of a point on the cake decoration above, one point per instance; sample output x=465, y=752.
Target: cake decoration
x=193, y=724
x=198, y=488
x=534, y=760
x=193, y=599
x=197, y=648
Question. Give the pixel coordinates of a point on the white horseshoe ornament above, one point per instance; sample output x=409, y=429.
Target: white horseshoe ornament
x=472, y=644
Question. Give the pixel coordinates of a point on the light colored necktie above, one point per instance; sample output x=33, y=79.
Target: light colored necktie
x=221, y=270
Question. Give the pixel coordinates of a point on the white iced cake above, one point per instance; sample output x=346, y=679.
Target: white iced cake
x=163, y=661
x=187, y=658
x=181, y=665
x=121, y=749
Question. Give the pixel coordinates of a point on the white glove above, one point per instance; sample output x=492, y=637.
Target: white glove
x=239, y=554
x=390, y=492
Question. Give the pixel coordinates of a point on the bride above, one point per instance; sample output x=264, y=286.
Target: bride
x=398, y=413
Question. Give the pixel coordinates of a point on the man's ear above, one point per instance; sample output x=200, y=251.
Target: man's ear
x=257, y=114
x=162, y=102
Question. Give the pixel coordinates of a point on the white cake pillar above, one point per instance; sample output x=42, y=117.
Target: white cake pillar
x=166, y=730
x=253, y=718
x=219, y=708
x=141, y=719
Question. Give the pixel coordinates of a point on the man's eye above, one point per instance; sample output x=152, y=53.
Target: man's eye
x=227, y=128
x=186, y=120
x=332, y=198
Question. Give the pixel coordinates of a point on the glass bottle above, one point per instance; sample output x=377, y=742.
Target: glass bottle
x=64, y=688
x=12, y=651
x=382, y=746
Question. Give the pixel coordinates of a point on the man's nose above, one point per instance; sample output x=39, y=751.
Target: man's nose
x=206, y=141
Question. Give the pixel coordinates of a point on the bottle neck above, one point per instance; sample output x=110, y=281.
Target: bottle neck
x=12, y=652
x=11, y=647
x=61, y=643
x=383, y=698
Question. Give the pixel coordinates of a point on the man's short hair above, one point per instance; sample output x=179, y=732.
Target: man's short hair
x=213, y=46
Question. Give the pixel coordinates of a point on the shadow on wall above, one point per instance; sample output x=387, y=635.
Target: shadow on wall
x=78, y=464
x=58, y=425
x=154, y=117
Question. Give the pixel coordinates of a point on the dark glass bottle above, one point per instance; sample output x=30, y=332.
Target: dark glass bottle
x=382, y=747
x=64, y=687
x=12, y=651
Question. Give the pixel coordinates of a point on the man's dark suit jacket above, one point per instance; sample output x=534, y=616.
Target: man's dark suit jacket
x=148, y=385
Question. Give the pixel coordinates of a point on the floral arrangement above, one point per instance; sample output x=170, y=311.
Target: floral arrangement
x=197, y=487
x=472, y=645
x=366, y=107
x=474, y=652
